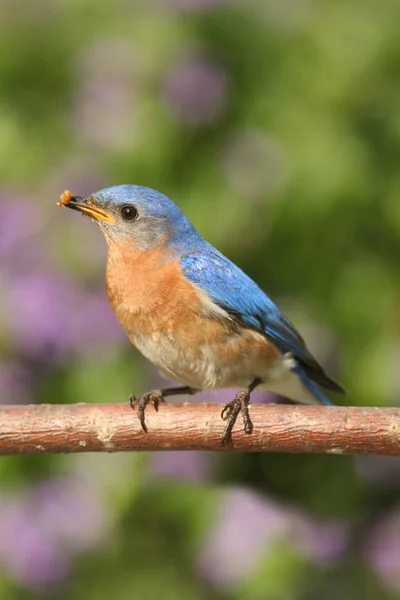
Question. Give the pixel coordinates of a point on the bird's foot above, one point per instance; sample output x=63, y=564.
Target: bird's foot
x=229, y=413
x=154, y=398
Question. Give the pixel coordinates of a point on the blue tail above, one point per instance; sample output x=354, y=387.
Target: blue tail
x=310, y=385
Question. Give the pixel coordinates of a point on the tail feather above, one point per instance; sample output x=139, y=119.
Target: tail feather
x=319, y=376
x=311, y=387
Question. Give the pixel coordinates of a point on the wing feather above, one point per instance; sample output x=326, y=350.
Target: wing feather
x=230, y=288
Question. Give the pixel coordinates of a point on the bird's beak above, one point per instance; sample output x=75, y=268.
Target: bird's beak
x=85, y=205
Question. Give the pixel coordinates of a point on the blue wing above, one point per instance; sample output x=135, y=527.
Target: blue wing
x=230, y=288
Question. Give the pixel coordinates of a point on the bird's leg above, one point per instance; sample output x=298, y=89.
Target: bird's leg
x=154, y=398
x=240, y=404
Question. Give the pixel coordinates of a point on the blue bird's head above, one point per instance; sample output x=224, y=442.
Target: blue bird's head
x=134, y=213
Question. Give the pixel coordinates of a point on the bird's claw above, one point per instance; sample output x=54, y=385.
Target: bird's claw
x=230, y=411
x=227, y=410
x=154, y=398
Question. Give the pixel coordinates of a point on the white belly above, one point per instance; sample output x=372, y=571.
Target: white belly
x=205, y=367
x=194, y=367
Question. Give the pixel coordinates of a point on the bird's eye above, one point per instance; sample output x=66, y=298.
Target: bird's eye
x=129, y=212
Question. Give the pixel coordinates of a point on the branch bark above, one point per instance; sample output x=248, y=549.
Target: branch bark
x=49, y=429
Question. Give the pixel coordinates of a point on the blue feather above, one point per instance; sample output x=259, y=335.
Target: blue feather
x=225, y=283
x=233, y=290
x=229, y=287
x=306, y=381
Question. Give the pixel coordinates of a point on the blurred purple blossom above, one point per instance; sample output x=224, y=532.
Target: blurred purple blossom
x=113, y=57
x=105, y=107
x=16, y=383
x=254, y=164
x=42, y=531
x=248, y=526
x=42, y=312
x=320, y=542
x=49, y=316
x=27, y=229
x=22, y=220
x=75, y=496
x=191, y=466
x=79, y=174
x=195, y=91
x=247, y=529
x=383, y=549
x=104, y=113
x=27, y=553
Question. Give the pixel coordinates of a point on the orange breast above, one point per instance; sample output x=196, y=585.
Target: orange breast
x=148, y=292
x=168, y=320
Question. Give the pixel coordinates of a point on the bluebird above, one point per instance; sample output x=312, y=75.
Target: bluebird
x=191, y=311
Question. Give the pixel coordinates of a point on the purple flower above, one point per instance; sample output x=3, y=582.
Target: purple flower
x=254, y=164
x=192, y=466
x=247, y=528
x=383, y=550
x=195, y=91
x=43, y=530
x=105, y=107
x=78, y=497
x=320, y=542
x=27, y=552
x=16, y=383
x=20, y=224
x=78, y=174
x=48, y=316
x=103, y=113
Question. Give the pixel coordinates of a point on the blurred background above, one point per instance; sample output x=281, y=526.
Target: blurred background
x=276, y=127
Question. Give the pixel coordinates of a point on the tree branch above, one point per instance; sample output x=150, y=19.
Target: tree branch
x=45, y=429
